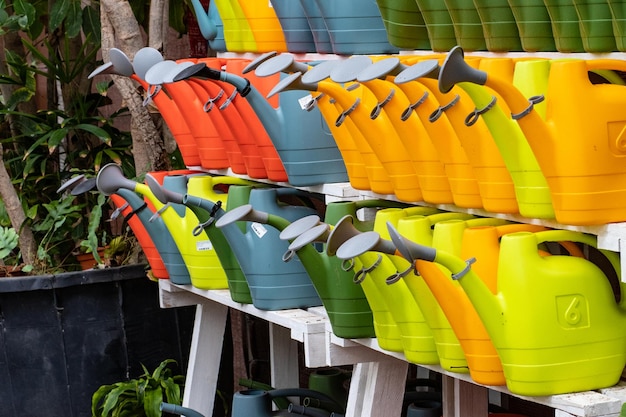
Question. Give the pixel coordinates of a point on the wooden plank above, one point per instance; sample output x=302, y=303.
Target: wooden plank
x=204, y=358
x=284, y=369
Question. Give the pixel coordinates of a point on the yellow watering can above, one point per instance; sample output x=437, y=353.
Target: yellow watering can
x=237, y=32
x=575, y=194
x=411, y=290
x=266, y=29
x=416, y=337
x=197, y=252
x=494, y=181
x=556, y=321
x=531, y=187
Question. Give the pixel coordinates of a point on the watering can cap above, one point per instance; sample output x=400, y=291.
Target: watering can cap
x=428, y=69
x=157, y=72
x=321, y=71
x=290, y=82
x=254, y=64
x=280, y=63
x=378, y=69
x=71, y=183
x=170, y=75
x=357, y=245
x=144, y=59
x=350, y=68
x=120, y=62
x=299, y=226
x=314, y=234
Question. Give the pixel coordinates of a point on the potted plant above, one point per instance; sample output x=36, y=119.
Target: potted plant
x=140, y=397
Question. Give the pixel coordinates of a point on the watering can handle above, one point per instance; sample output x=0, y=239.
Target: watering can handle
x=610, y=64
x=565, y=235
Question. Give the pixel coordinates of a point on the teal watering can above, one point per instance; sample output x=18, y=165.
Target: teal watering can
x=207, y=211
x=310, y=157
x=211, y=25
x=318, y=27
x=295, y=25
x=274, y=284
x=556, y=321
x=258, y=403
x=179, y=410
x=161, y=236
x=197, y=252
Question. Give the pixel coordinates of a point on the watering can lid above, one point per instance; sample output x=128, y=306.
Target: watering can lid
x=428, y=68
x=156, y=74
x=120, y=62
x=321, y=71
x=274, y=65
x=71, y=183
x=378, y=69
x=310, y=236
x=358, y=245
x=145, y=59
x=350, y=68
x=286, y=82
x=84, y=186
x=169, y=76
x=254, y=64
x=233, y=215
x=299, y=226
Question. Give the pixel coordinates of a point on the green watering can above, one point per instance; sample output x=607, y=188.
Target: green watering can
x=556, y=321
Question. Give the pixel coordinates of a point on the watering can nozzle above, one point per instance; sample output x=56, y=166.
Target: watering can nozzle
x=199, y=70
x=410, y=250
x=455, y=70
x=179, y=410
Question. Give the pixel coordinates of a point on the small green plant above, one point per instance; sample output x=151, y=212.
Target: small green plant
x=139, y=397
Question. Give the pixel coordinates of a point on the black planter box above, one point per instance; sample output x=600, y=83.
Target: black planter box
x=63, y=336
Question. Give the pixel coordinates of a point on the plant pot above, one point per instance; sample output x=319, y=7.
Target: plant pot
x=88, y=261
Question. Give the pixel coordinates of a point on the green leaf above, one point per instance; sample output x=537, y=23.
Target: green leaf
x=58, y=13
x=102, y=134
x=152, y=402
x=74, y=20
x=57, y=137
x=91, y=23
x=177, y=10
x=172, y=391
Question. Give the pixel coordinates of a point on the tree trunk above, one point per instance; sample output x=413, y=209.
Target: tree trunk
x=157, y=28
x=120, y=29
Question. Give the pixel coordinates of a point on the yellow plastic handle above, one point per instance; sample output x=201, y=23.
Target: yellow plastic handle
x=606, y=64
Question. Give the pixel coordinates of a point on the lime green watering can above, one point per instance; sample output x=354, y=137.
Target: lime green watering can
x=556, y=321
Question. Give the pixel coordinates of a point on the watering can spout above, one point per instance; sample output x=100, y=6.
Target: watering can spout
x=179, y=410
x=201, y=70
x=455, y=70
x=162, y=194
x=410, y=251
x=207, y=26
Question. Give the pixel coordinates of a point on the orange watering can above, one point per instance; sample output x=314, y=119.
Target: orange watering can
x=583, y=175
x=556, y=321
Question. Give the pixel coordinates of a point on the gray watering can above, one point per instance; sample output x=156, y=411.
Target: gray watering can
x=311, y=157
x=179, y=410
x=258, y=403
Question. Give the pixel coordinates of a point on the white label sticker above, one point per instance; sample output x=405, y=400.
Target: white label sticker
x=304, y=101
x=259, y=229
x=204, y=245
x=269, y=4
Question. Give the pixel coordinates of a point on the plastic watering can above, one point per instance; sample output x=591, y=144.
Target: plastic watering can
x=210, y=24
x=120, y=64
x=618, y=15
x=468, y=28
x=553, y=319
x=295, y=26
x=439, y=114
x=438, y=24
x=179, y=410
x=274, y=284
x=593, y=18
x=202, y=263
x=237, y=31
x=575, y=195
x=318, y=26
x=499, y=28
x=347, y=103
x=531, y=186
x=346, y=134
x=258, y=403
x=264, y=24
x=404, y=23
x=482, y=358
x=169, y=263
x=494, y=181
x=311, y=159
x=273, y=165
x=231, y=123
x=449, y=350
x=355, y=27
x=565, y=27
x=418, y=343
x=330, y=381
x=383, y=103
x=534, y=25
x=204, y=204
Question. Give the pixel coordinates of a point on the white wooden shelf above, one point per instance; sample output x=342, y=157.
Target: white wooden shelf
x=378, y=377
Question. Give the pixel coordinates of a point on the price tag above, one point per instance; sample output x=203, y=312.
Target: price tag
x=203, y=245
x=258, y=229
x=304, y=101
